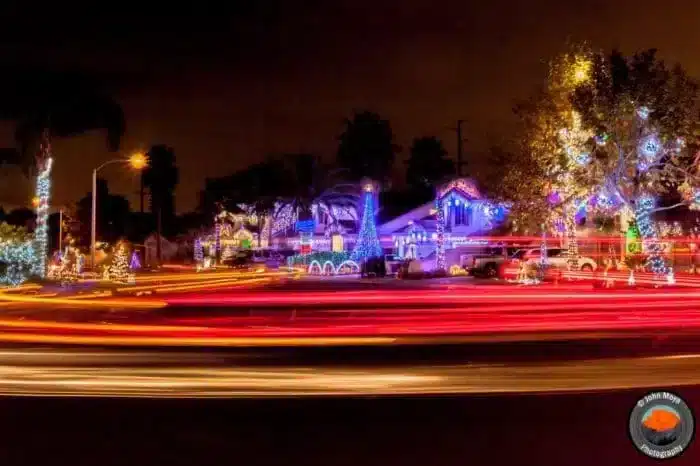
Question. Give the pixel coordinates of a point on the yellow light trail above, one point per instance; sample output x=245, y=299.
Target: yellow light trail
x=19, y=289
x=191, y=286
x=108, y=373
x=123, y=303
x=195, y=341
x=27, y=331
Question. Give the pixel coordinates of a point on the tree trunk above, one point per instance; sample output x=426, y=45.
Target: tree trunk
x=261, y=230
x=141, y=190
x=572, y=246
x=158, y=244
x=439, y=243
x=269, y=229
x=43, y=193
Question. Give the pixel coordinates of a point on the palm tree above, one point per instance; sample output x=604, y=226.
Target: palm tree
x=44, y=105
x=311, y=183
x=161, y=177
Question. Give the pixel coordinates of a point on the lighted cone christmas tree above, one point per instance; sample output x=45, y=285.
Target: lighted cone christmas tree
x=367, y=241
x=119, y=270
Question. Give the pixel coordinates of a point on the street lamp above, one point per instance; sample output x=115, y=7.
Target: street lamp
x=137, y=161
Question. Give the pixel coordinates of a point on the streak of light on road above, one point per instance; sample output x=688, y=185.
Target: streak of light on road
x=494, y=295
x=205, y=282
x=166, y=375
x=93, y=302
x=196, y=286
x=21, y=288
x=400, y=326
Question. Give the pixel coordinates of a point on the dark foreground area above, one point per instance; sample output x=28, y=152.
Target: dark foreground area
x=580, y=429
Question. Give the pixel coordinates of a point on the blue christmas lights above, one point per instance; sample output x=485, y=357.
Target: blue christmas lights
x=305, y=226
x=440, y=240
x=18, y=261
x=601, y=140
x=494, y=214
x=582, y=158
x=643, y=209
x=367, y=241
x=643, y=112
x=695, y=200
x=649, y=149
x=581, y=210
x=198, y=251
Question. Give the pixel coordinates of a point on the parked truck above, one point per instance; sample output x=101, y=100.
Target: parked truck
x=489, y=261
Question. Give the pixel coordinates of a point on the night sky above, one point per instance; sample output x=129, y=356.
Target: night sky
x=227, y=86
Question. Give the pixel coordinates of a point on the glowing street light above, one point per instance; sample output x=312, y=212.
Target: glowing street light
x=137, y=161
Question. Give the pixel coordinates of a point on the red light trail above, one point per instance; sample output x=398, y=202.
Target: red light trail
x=376, y=317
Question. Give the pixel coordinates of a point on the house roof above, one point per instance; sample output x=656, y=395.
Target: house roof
x=419, y=214
x=464, y=186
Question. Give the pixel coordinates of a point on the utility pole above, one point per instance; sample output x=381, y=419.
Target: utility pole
x=141, y=192
x=460, y=162
x=60, y=229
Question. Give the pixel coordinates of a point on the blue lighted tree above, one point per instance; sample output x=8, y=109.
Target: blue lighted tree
x=644, y=115
x=367, y=241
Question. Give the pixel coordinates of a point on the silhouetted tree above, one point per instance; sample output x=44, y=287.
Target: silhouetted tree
x=309, y=181
x=366, y=147
x=428, y=164
x=21, y=217
x=113, y=215
x=161, y=177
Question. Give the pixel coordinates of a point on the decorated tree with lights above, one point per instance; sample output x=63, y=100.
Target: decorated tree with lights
x=44, y=105
x=367, y=245
x=119, y=269
x=198, y=251
x=17, y=257
x=644, y=117
x=545, y=177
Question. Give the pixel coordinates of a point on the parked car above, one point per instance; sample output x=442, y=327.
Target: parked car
x=373, y=267
x=392, y=264
x=557, y=258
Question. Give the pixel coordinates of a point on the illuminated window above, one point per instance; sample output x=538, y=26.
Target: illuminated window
x=337, y=243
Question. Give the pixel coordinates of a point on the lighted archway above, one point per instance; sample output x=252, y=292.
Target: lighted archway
x=348, y=267
x=315, y=268
x=328, y=268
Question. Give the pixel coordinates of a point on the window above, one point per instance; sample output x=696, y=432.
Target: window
x=462, y=215
x=554, y=252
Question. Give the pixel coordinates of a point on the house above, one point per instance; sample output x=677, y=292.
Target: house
x=328, y=222
x=466, y=215
x=466, y=218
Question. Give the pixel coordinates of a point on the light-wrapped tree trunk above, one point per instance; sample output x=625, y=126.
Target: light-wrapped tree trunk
x=42, y=198
x=572, y=246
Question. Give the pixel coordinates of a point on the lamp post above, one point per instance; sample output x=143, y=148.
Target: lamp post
x=137, y=161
